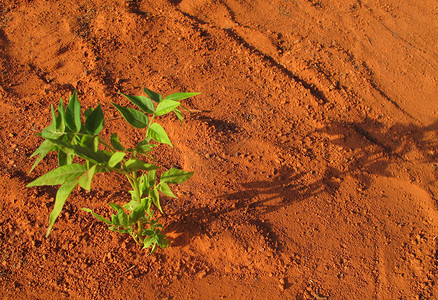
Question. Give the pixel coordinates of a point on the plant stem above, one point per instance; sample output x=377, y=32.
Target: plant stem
x=140, y=229
x=130, y=181
x=136, y=186
x=150, y=123
x=135, y=239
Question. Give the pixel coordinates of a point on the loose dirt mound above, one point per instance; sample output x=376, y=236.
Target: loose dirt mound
x=314, y=151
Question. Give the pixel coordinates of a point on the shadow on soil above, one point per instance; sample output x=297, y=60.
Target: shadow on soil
x=372, y=148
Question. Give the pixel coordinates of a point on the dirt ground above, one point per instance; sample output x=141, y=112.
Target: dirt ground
x=314, y=148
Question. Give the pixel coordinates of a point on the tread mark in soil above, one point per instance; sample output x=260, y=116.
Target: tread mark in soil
x=317, y=93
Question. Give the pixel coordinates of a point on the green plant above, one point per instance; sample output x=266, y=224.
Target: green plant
x=82, y=153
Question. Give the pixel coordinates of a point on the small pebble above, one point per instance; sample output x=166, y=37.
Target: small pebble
x=202, y=274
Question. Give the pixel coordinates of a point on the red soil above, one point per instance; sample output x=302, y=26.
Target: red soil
x=314, y=151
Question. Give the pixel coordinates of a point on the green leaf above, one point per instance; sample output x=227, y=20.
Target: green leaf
x=134, y=117
x=144, y=185
x=86, y=178
x=131, y=205
x=97, y=216
x=61, y=196
x=49, y=133
x=180, y=96
x=42, y=151
x=88, y=144
x=87, y=141
x=116, y=207
x=175, y=176
x=60, y=120
x=156, y=131
x=137, y=213
x=115, y=221
x=152, y=178
x=73, y=113
x=135, y=164
x=94, y=122
x=85, y=151
x=116, y=143
x=59, y=144
x=96, y=144
x=154, y=96
x=60, y=175
x=116, y=158
x=165, y=107
x=142, y=102
x=149, y=241
x=147, y=204
x=162, y=241
x=54, y=124
x=154, y=239
x=156, y=198
x=148, y=232
x=123, y=217
x=144, y=146
x=165, y=189
x=87, y=112
x=64, y=158
x=179, y=115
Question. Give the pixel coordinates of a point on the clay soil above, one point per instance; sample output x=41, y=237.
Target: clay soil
x=314, y=148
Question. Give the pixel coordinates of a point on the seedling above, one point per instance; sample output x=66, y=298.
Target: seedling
x=82, y=153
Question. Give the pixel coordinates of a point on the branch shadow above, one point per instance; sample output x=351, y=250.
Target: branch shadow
x=222, y=126
x=378, y=143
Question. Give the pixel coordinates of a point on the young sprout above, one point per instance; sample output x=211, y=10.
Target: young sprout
x=70, y=139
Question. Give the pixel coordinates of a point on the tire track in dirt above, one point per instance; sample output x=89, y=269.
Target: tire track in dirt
x=233, y=33
x=234, y=29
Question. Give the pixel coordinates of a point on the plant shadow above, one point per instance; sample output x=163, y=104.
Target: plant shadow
x=372, y=148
